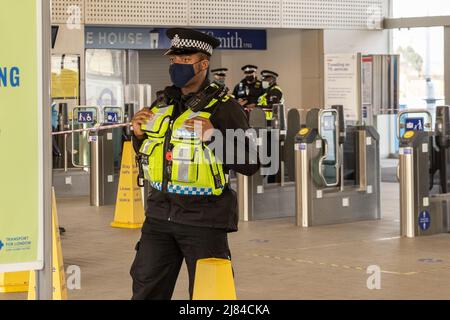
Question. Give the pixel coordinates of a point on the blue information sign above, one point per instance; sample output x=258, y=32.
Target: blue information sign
x=414, y=124
x=424, y=220
x=85, y=117
x=112, y=117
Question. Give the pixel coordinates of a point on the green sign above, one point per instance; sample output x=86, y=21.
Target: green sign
x=21, y=144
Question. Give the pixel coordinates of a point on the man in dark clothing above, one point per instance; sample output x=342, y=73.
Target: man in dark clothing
x=249, y=89
x=272, y=95
x=191, y=206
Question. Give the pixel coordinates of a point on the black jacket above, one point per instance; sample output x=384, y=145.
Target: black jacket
x=274, y=95
x=205, y=211
x=248, y=91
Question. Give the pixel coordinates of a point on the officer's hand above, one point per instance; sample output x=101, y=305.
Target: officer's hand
x=250, y=107
x=139, y=119
x=201, y=126
x=242, y=102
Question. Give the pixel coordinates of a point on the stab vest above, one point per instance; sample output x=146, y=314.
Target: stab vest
x=175, y=160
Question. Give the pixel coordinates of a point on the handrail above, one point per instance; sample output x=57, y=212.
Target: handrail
x=97, y=127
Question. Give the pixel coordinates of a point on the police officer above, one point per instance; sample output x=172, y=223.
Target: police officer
x=249, y=89
x=272, y=95
x=220, y=75
x=190, y=206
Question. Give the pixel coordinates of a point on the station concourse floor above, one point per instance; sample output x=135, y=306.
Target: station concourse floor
x=272, y=259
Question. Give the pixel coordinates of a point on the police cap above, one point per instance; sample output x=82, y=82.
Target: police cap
x=221, y=72
x=186, y=41
x=249, y=68
x=268, y=73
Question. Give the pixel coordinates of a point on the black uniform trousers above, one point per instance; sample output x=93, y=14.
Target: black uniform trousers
x=161, y=251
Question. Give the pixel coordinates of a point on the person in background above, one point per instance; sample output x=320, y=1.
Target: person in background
x=220, y=75
x=272, y=95
x=56, y=151
x=249, y=89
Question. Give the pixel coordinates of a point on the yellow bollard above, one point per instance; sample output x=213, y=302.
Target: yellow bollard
x=14, y=282
x=59, y=277
x=129, y=211
x=214, y=280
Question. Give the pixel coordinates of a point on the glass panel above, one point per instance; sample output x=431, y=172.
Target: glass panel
x=328, y=132
x=105, y=77
x=65, y=77
x=421, y=68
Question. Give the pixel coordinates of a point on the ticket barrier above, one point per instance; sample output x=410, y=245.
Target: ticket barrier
x=423, y=172
x=94, y=150
x=258, y=198
x=337, y=170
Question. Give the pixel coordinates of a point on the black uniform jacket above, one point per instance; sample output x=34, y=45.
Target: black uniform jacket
x=248, y=91
x=206, y=211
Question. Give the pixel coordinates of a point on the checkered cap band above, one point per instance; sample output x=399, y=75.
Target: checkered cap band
x=179, y=43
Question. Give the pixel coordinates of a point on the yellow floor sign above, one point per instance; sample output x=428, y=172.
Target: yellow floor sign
x=59, y=278
x=129, y=211
x=14, y=282
x=214, y=280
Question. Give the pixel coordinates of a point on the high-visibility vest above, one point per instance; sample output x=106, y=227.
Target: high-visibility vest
x=262, y=102
x=175, y=160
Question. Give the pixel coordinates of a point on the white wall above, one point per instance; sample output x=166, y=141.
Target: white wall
x=353, y=41
x=364, y=41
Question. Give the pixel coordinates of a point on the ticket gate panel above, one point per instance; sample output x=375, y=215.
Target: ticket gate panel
x=421, y=213
x=258, y=197
x=293, y=127
x=344, y=207
x=318, y=204
x=82, y=118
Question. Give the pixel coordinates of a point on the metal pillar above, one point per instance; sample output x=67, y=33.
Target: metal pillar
x=301, y=185
x=44, y=287
x=447, y=64
x=102, y=168
x=406, y=175
x=243, y=196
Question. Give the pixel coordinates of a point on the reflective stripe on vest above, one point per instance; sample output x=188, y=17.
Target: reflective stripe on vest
x=194, y=167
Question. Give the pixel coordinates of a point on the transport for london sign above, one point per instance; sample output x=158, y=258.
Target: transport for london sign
x=151, y=38
x=21, y=209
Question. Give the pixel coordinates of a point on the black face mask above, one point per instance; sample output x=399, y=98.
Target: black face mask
x=181, y=74
x=250, y=78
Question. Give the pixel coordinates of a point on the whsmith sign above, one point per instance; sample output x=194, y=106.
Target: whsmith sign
x=151, y=38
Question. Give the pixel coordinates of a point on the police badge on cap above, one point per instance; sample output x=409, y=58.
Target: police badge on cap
x=185, y=41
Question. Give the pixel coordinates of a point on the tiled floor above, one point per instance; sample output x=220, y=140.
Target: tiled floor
x=273, y=259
